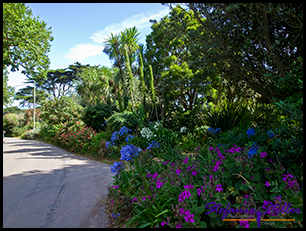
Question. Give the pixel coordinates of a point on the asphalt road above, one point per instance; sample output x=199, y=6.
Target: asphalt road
x=47, y=187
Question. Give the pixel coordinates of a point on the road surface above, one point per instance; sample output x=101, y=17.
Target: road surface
x=47, y=187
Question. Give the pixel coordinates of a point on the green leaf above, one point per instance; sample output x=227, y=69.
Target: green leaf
x=253, y=224
x=219, y=221
x=200, y=209
x=238, y=185
x=256, y=176
x=202, y=224
x=225, y=202
x=226, y=174
x=228, y=182
x=213, y=214
x=247, y=175
x=145, y=225
x=258, y=196
x=243, y=188
x=167, y=210
x=296, y=201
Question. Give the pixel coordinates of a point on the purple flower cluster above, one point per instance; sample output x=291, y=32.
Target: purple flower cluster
x=187, y=215
x=219, y=188
x=186, y=160
x=184, y=195
x=159, y=183
x=291, y=184
x=220, y=156
x=244, y=223
x=199, y=191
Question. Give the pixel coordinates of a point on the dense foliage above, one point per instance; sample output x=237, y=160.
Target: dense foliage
x=211, y=112
x=60, y=110
x=95, y=115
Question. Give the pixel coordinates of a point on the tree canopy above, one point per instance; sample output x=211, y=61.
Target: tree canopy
x=258, y=44
x=26, y=40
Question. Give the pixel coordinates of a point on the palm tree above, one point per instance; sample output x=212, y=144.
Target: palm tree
x=114, y=51
x=122, y=48
x=129, y=37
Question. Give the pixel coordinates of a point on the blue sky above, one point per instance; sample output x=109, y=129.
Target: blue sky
x=79, y=30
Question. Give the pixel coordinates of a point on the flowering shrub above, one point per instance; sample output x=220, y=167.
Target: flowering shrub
x=176, y=193
x=75, y=141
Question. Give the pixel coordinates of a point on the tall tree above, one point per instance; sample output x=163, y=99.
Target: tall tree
x=113, y=50
x=253, y=43
x=26, y=96
x=115, y=47
x=130, y=78
x=97, y=84
x=26, y=40
x=8, y=91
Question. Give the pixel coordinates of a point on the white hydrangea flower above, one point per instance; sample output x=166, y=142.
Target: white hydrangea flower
x=146, y=133
x=183, y=129
x=156, y=125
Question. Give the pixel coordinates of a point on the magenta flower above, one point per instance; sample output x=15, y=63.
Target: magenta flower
x=188, y=168
x=194, y=173
x=263, y=154
x=163, y=223
x=178, y=171
x=211, y=148
x=219, y=188
x=189, y=217
x=188, y=186
x=267, y=184
x=179, y=225
x=185, y=161
x=184, y=195
x=149, y=175
x=155, y=175
x=166, y=162
x=216, y=168
x=144, y=198
x=244, y=223
x=210, y=176
x=218, y=163
x=159, y=184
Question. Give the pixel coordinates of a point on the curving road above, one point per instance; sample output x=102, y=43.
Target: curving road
x=47, y=187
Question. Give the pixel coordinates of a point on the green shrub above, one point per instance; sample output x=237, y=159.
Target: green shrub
x=228, y=115
x=132, y=120
x=60, y=110
x=31, y=135
x=287, y=142
x=11, y=122
x=94, y=116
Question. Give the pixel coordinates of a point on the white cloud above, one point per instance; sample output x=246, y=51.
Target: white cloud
x=139, y=20
x=82, y=51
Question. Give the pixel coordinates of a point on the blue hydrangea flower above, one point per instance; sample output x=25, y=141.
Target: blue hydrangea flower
x=270, y=133
x=129, y=138
x=109, y=144
x=218, y=129
x=250, y=132
x=153, y=144
x=253, y=150
x=211, y=130
x=115, y=136
x=115, y=216
x=116, y=167
x=129, y=151
x=124, y=130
